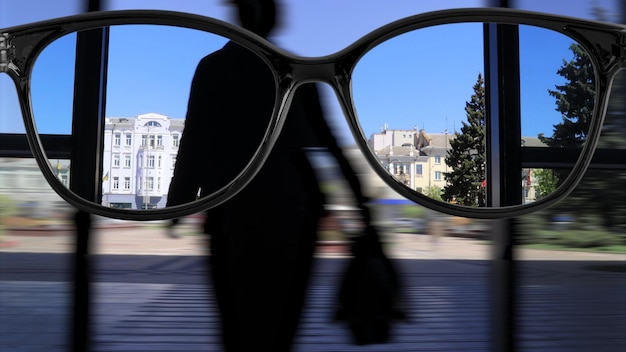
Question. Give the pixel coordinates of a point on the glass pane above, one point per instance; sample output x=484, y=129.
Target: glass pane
x=36, y=244
x=13, y=13
x=572, y=265
x=572, y=256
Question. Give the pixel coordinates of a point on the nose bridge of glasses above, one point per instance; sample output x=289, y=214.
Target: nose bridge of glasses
x=314, y=70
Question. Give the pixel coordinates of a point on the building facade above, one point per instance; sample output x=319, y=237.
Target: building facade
x=417, y=159
x=413, y=157
x=138, y=160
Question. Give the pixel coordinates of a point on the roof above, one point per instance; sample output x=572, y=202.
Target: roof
x=532, y=142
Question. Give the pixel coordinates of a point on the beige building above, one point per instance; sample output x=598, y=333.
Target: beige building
x=415, y=158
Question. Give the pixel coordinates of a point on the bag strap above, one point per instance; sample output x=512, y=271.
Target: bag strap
x=326, y=138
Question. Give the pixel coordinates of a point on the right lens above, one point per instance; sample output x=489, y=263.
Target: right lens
x=420, y=97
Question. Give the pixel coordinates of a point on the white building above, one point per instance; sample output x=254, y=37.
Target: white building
x=394, y=138
x=138, y=160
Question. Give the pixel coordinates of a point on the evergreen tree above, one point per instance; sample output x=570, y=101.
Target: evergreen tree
x=574, y=100
x=466, y=158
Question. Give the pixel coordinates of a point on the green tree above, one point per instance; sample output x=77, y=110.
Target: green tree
x=574, y=100
x=466, y=158
x=546, y=182
x=595, y=194
x=434, y=192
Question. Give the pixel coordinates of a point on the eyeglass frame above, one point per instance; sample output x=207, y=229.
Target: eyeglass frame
x=605, y=43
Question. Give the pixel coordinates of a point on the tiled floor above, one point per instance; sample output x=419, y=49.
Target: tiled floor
x=569, y=309
x=150, y=295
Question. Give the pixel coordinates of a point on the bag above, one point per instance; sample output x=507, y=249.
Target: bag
x=369, y=291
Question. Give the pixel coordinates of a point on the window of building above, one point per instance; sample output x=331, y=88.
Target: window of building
x=121, y=205
x=150, y=161
x=152, y=124
x=418, y=169
x=127, y=160
x=437, y=159
x=175, y=140
x=149, y=183
x=129, y=139
x=160, y=161
x=437, y=175
x=116, y=160
x=126, y=183
x=116, y=183
x=159, y=141
x=117, y=140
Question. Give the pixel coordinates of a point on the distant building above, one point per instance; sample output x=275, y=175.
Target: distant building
x=23, y=183
x=138, y=160
x=415, y=158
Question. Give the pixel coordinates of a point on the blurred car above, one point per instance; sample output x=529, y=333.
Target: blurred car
x=404, y=225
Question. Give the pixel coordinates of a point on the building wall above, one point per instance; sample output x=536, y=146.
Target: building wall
x=23, y=184
x=395, y=138
x=417, y=158
x=138, y=160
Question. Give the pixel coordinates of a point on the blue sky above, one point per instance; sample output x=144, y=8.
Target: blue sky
x=313, y=28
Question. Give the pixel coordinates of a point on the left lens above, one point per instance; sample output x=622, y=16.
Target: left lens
x=186, y=111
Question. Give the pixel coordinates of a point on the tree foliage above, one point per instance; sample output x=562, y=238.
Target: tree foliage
x=466, y=157
x=596, y=193
x=574, y=100
x=546, y=182
x=434, y=192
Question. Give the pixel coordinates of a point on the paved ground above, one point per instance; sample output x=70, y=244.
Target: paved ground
x=150, y=295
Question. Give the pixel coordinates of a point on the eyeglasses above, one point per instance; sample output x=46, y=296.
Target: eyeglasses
x=392, y=85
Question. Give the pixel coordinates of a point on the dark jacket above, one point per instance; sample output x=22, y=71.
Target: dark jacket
x=232, y=98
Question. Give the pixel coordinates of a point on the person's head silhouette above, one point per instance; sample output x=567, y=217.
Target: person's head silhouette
x=258, y=16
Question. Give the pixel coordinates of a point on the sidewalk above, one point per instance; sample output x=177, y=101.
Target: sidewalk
x=150, y=295
x=151, y=239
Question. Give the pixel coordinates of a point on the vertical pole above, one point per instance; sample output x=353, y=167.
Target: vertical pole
x=85, y=174
x=502, y=87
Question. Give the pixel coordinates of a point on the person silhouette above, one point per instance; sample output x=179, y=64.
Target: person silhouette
x=262, y=241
